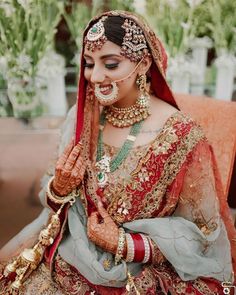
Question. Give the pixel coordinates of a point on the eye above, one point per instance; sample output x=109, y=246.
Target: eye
x=112, y=66
x=88, y=65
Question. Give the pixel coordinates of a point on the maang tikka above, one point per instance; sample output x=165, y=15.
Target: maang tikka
x=95, y=37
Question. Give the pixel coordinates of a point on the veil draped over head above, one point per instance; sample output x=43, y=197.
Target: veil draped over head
x=87, y=120
x=86, y=131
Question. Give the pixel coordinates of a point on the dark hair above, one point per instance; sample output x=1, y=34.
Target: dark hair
x=113, y=29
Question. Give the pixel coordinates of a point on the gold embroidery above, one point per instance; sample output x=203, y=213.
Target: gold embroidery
x=202, y=287
x=143, y=283
x=70, y=282
x=41, y=283
x=119, y=201
x=171, y=167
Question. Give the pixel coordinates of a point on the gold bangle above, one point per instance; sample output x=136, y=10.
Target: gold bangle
x=60, y=200
x=120, y=246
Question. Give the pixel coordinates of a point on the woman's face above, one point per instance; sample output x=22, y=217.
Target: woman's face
x=107, y=65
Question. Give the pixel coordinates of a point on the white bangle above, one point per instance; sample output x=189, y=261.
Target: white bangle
x=147, y=252
x=130, y=248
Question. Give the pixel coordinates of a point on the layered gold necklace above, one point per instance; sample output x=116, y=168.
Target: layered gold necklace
x=125, y=117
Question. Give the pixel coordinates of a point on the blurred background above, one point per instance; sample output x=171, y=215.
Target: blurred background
x=40, y=43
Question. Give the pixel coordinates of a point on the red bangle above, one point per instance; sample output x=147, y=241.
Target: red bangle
x=139, y=249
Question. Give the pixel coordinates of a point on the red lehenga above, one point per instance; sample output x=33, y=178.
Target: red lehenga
x=171, y=176
x=169, y=189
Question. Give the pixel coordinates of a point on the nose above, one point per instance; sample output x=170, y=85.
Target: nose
x=97, y=75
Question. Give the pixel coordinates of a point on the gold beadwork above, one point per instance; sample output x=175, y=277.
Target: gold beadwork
x=125, y=117
x=134, y=44
x=120, y=246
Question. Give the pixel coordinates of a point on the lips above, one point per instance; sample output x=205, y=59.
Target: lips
x=105, y=89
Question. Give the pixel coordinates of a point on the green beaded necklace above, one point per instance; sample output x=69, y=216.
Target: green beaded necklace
x=106, y=164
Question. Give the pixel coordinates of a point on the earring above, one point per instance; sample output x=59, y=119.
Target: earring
x=144, y=97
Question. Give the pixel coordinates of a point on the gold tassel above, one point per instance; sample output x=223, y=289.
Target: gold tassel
x=29, y=259
x=130, y=284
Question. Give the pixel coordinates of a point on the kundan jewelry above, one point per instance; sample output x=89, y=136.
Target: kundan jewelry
x=120, y=246
x=107, y=99
x=104, y=163
x=134, y=45
x=95, y=37
x=125, y=117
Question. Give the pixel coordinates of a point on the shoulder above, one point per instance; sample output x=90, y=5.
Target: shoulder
x=161, y=109
x=176, y=122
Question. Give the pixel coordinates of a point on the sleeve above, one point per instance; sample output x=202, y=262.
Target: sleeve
x=194, y=239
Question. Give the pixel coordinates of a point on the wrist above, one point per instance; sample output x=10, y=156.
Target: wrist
x=54, y=189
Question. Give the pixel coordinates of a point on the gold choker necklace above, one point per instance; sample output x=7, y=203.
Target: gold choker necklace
x=125, y=117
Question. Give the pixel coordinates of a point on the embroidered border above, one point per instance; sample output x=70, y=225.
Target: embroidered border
x=176, y=140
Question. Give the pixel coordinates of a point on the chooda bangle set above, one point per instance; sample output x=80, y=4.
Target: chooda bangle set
x=139, y=247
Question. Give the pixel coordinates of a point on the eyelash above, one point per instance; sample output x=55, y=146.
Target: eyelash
x=108, y=66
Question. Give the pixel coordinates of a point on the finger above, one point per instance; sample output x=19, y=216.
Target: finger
x=62, y=159
x=79, y=168
x=70, y=162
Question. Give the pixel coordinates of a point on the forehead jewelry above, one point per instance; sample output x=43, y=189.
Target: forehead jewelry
x=134, y=44
x=95, y=37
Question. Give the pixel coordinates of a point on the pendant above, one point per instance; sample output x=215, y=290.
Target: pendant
x=102, y=179
x=103, y=169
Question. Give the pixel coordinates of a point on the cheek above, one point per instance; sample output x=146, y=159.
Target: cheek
x=128, y=85
x=87, y=74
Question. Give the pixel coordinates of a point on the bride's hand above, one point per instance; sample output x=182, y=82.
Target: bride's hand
x=69, y=170
x=104, y=233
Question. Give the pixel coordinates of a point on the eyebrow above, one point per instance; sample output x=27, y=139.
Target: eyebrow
x=104, y=56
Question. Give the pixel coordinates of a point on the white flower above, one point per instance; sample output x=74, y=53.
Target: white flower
x=7, y=7
x=24, y=3
x=185, y=25
x=51, y=65
x=24, y=62
x=172, y=3
x=225, y=60
x=193, y=3
x=182, y=65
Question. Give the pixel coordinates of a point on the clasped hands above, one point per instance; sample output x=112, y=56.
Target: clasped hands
x=69, y=170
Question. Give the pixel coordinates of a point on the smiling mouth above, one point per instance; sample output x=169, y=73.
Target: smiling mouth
x=105, y=90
